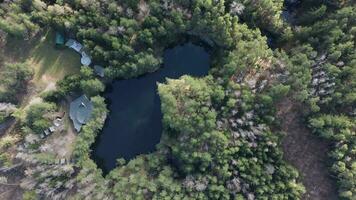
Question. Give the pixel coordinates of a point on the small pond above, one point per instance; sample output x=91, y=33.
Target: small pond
x=134, y=125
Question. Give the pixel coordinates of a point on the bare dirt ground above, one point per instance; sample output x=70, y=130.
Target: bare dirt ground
x=62, y=143
x=307, y=153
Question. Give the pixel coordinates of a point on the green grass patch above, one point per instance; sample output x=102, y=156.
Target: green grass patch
x=5, y=160
x=45, y=158
x=43, y=55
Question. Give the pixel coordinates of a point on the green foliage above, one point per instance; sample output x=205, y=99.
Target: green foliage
x=247, y=55
x=279, y=91
x=340, y=129
x=265, y=14
x=92, y=87
x=46, y=158
x=5, y=159
x=90, y=130
x=13, y=79
x=299, y=66
x=16, y=20
x=202, y=154
x=85, y=82
x=2, y=117
x=81, y=154
x=68, y=84
x=6, y=112
x=313, y=15
x=38, y=116
x=327, y=28
x=30, y=195
x=8, y=141
x=190, y=117
x=205, y=153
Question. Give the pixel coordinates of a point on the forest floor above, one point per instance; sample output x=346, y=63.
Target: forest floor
x=306, y=152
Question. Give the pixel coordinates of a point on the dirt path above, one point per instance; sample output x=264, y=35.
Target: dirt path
x=306, y=152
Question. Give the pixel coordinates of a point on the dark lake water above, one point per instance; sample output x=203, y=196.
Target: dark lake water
x=134, y=124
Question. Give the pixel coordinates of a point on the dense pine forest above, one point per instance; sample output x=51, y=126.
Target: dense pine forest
x=274, y=64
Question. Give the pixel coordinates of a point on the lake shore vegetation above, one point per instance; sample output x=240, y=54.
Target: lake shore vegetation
x=221, y=135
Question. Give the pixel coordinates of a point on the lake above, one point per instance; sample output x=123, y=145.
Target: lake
x=134, y=124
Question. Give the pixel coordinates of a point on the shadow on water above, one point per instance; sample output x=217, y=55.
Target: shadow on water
x=134, y=124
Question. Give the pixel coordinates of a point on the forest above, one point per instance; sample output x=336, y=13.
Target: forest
x=222, y=136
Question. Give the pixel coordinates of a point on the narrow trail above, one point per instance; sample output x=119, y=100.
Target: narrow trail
x=306, y=152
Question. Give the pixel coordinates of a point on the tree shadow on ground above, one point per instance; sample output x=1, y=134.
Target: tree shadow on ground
x=41, y=52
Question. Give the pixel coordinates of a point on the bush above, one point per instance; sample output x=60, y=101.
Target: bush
x=13, y=79
x=38, y=116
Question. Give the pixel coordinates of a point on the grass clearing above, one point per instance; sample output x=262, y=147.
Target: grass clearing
x=49, y=62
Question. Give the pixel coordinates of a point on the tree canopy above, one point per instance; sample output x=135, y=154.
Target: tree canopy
x=220, y=135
